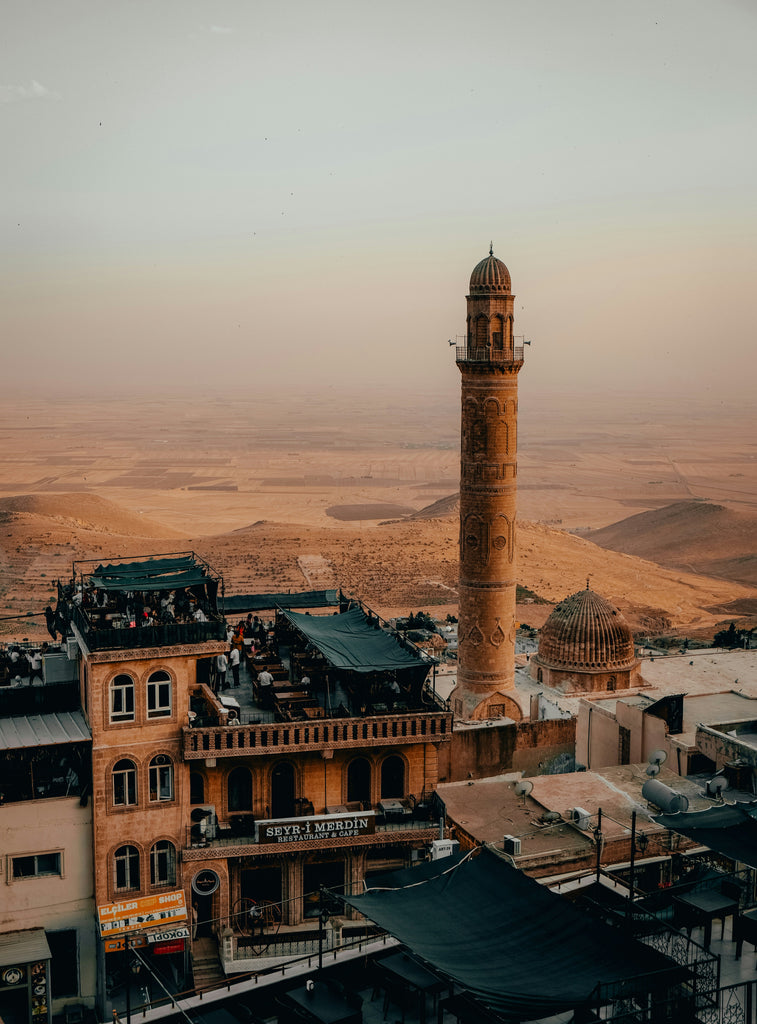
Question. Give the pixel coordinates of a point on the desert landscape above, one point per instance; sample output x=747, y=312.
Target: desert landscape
x=653, y=503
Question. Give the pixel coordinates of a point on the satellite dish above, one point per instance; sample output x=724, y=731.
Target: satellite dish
x=716, y=786
x=524, y=787
x=652, y=770
x=658, y=757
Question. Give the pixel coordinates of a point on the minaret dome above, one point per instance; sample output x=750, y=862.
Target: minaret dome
x=490, y=277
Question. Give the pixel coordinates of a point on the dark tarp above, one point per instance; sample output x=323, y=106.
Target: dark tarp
x=730, y=829
x=349, y=641
x=151, y=574
x=519, y=948
x=265, y=602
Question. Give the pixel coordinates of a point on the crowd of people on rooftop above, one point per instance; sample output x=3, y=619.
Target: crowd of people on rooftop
x=121, y=609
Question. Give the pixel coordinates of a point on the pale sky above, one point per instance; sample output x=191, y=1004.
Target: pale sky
x=214, y=195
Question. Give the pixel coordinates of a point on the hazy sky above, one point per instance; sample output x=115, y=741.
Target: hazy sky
x=217, y=194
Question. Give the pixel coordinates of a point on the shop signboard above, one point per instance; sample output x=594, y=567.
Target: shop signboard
x=318, y=826
x=146, y=912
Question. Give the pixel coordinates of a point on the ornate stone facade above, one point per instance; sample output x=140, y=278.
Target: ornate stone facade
x=489, y=364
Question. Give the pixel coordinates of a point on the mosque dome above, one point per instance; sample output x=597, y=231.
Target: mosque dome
x=490, y=277
x=584, y=633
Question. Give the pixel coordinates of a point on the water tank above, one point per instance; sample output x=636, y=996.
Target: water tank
x=664, y=797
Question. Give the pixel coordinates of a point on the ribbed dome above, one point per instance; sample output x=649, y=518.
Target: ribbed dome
x=585, y=632
x=490, y=276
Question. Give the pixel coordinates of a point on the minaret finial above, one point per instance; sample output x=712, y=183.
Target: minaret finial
x=587, y=582
x=491, y=248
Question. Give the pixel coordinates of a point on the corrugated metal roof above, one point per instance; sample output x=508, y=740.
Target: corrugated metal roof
x=23, y=947
x=43, y=730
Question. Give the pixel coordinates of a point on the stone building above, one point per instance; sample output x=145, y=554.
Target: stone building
x=247, y=801
x=586, y=646
x=489, y=363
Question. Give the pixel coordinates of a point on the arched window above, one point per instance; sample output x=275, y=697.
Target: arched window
x=392, y=777
x=159, y=695
x=126, y=868
x=163, y=863
x=612, y=683
x=359, y=781
x=282, y=790
x=161, y=778
x=196, y=788
x=122, y=699
x=124, y=783
x=240, y=789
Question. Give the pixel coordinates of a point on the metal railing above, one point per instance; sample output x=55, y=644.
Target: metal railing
x=482, y=354
x=320, y=734
x=165, y=635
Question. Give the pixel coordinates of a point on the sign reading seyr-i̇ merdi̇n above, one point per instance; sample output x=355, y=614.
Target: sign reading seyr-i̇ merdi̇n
x=145, y=912
x=320, y=826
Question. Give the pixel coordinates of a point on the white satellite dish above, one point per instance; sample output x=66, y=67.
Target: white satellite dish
x=658, y=757
x=652, y=770
x=716, y=786
x=524, y=787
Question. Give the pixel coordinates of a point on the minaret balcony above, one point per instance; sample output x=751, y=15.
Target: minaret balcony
x=487, y=354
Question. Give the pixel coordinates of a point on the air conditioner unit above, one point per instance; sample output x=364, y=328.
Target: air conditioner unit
x=511, y=845
x=444, y=848
x=72, y=648
x=580, y=817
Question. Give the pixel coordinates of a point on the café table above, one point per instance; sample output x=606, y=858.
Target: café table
x=745, y=929
x=701, y=908
x=322, y=1004
x=409, y=973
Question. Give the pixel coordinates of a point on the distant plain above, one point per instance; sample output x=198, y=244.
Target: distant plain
x=290, y=491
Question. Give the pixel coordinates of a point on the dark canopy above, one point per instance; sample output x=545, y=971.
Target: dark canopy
x=263, y=602
x=350, y=641
x=730, y=829
x=151, y=574
x=512, y=943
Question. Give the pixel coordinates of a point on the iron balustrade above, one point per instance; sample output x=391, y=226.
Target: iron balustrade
x=135, y=637
x=319, y=734
x=482, y=354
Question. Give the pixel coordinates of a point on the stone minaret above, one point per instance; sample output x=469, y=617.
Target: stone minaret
x=489, y=365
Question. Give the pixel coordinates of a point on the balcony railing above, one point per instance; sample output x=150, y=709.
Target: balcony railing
x=132, y=638
x=480, y=354
x=342, y=733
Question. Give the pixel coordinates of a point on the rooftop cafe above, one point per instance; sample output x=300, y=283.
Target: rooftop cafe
x=177, y=598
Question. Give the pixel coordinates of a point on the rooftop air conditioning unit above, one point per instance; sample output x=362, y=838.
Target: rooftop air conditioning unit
x=511, y=845
x=580, y=818
x=444, y=848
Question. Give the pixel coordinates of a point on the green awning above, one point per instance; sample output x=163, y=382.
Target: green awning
x=350, y=641
x=151, y=574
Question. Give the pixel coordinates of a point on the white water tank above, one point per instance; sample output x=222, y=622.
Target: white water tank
x=664, y=797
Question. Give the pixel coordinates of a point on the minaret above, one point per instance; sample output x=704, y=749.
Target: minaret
x=489, y=365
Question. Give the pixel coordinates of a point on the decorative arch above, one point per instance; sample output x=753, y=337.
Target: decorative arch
x=121, y=702
x=239, y=789
x=359, y=779
x=160, y=689
x=393, y=777
x=126, y=867
x=283, y=789
x=124, y=789
x=162, y=863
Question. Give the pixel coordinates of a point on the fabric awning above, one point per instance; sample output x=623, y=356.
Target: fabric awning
x=267, y=602
x=23, y=947
x=349, y=641
x=730, y=829
x=151, y=574
x=512, y=943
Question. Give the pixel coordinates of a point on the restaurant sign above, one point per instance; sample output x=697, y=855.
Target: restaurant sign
x=146, y=912
x=319, y=826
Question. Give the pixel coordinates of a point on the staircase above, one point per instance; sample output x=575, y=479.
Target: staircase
x=206, y=967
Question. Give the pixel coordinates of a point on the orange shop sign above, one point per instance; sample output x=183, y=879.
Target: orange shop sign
x=146, y=912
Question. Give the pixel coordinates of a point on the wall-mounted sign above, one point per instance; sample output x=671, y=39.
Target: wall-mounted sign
x=142, y=913
x=319, y=826
x=13, y=975
x=206, y=882
x=169, y=935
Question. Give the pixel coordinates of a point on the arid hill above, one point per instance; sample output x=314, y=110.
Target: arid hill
x=698, y=536
x=395, y=567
